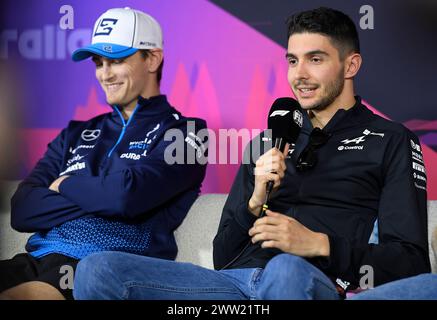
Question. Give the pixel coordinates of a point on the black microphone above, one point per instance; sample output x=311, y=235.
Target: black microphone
x=285, y=121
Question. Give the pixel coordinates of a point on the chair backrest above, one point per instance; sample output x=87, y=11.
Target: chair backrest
x=432, y=229
x=196, y=233
x=194, y=236
x=11, y=241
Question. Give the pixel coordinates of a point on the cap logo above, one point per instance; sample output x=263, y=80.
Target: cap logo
x=104, y=28
x=107, y=48
x=150, y=44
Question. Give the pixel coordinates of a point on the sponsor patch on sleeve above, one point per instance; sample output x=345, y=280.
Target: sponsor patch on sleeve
x=418, y=165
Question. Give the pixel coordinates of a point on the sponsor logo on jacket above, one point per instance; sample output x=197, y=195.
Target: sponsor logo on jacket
x=74, y=167
x=141, y=145
x=90, y=135
x=130, y=155
x=419, y=171
x=357, y=143
x=82, y=146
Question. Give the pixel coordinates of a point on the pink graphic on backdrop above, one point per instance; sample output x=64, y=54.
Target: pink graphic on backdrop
x=417, y=125
x=430, y=139
x=260, y=98
x=201, y=101
x=92, y=108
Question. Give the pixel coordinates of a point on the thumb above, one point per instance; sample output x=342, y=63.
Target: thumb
x=287, y=147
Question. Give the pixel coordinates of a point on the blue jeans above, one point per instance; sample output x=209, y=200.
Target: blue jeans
x=117, y=275
x=421, y=287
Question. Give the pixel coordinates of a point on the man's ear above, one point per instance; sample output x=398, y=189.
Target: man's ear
x=155, y=57
x=352, y=65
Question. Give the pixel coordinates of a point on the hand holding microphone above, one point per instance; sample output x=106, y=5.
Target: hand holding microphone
x=270, y=169
x=277, y=230
x=285, y=121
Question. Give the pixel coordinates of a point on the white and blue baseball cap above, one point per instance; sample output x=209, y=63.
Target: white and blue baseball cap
x=119, y=33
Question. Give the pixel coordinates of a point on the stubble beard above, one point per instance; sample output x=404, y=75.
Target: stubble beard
x=331, y=92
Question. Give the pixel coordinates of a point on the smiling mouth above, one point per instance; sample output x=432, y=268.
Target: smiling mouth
x=306, y=92
x=113, y=86
x=306, y=89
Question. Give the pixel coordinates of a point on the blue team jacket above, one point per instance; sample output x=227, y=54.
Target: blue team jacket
x=121, y=194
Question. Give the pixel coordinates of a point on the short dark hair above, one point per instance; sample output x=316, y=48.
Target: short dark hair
x=145, y=53
x=326, y=21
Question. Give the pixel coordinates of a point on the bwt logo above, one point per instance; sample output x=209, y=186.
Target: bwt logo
x=51, y=42
x=103, y=28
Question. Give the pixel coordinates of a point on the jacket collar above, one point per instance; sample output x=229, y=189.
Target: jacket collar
x=343, y=119
x=145, y=108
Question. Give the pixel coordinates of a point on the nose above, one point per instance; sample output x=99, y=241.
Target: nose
x=301, y=71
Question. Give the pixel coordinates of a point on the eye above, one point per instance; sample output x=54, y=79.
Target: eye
x=97, y=62
x=117, y=61
x=316, y=59
x=292, y=61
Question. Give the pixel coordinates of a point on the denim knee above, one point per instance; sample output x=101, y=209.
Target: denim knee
x=93, y=275
x=287, y=276
x=282, y=275
x=287, y=267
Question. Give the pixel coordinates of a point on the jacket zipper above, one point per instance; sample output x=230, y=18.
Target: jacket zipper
x=125, y=124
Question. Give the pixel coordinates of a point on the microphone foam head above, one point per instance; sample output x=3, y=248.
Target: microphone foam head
x=285, y=119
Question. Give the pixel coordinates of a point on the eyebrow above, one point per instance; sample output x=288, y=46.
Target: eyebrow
x=309, y=53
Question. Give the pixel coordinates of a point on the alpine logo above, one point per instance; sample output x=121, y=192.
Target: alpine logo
x=279, y=113
x=356, y=140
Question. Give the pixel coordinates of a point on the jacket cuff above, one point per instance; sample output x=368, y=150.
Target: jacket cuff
x=244, y=217
x=337, y=261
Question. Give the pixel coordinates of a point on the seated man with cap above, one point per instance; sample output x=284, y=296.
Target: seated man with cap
x=106, y=184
